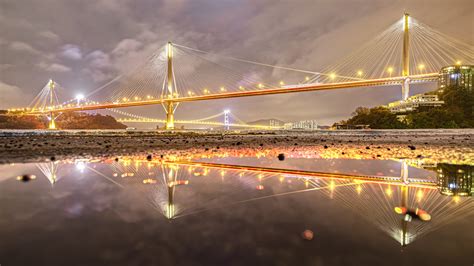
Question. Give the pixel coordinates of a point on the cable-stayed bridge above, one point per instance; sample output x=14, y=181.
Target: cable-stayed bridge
x=406, y=53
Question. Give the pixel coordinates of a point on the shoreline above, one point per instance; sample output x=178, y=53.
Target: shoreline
x=439, y=145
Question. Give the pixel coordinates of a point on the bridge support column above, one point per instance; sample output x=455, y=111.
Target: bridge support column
x=52, y=123
x=405, y=89
x=169, y=115
x=171, y=89
x=226, y=120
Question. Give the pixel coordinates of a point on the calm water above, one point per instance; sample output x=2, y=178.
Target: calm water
x=249, y=210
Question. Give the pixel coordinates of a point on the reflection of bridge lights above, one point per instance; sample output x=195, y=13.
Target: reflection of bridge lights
x=419, y=195
x=389, y=191
x=149, y=181
x=332, y=185
x=80, y=166
x=260, y=187
x=260, y=176
x=358, y=189
x=456, y=199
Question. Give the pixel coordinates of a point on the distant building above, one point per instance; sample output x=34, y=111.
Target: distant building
x=456, y=75
x=455, y=180
x=414, y=102
x=274, y=123
x=301, y=125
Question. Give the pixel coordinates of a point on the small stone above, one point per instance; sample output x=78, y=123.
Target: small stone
x=307, y=234
x=281, y=156
x=26, y=178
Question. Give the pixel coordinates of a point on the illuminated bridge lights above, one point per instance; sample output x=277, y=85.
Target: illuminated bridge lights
x=125, y=102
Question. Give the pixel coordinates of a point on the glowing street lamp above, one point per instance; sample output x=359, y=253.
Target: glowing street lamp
x=79, y=98
x=390, y=71
x=359, y=73
x=421, y=67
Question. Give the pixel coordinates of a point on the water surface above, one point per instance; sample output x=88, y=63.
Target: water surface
x=228, y=210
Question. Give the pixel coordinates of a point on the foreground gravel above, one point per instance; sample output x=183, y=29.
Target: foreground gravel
x=439, y=145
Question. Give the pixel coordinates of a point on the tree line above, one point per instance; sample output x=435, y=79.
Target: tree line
x=456, y=112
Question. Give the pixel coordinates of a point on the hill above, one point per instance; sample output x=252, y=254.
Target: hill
x=266, y=122
x=65, y=121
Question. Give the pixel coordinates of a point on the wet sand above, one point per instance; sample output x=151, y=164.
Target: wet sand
x=437, y=145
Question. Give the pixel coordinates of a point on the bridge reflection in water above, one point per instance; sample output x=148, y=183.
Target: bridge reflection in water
x=181, y=188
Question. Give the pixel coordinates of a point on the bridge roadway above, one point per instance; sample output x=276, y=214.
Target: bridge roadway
x=388, y=180
x=195, y=122
x=286, y=89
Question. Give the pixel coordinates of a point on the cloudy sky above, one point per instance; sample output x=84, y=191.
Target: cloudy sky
x=83, y=44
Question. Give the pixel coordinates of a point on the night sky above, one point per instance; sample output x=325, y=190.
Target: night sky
x=83, y=44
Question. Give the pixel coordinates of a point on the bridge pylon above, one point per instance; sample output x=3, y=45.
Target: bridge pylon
x=404, y=190
x=226, y=119
x=171, y=176
x=51, y=117
x=170, y=106
x=406, y=57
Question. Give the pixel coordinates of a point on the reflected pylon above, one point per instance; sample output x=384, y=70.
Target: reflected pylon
x=50, y=171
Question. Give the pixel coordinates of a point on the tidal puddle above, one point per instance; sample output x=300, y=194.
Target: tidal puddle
x=235, y=210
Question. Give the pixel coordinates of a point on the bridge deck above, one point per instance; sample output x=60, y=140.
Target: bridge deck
x=286, y=89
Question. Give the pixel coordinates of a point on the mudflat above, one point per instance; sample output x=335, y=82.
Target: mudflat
x=439, y=145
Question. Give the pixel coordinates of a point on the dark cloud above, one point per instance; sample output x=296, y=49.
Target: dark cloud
x=83, y=44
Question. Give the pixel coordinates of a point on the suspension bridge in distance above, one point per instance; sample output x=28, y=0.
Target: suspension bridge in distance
x=186, y=74
x=226, y=124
